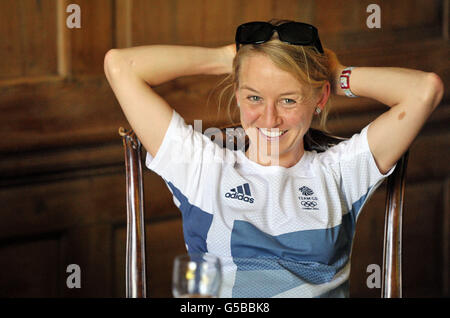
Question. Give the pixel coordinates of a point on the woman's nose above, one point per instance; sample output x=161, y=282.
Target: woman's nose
x=270, y=117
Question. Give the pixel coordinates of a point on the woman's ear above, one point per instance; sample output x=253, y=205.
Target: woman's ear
x=236, y=94
x=324, y=95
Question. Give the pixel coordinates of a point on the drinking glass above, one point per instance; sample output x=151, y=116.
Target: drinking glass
x=196, y=276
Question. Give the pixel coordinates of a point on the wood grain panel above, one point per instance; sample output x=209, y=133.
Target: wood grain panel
x=76, y=200
x=423, y=217
x=220, y=21
x=57, y=114
x=15, y=167
x=429, y=156
x=198, y=22
x=123, y=23
x=164, y=242
x=214, y=22
x=405, y=14
x=11, y=63
x=188, y=22
x=89, y=44
x=302, y=11
x=28, y=33
x=30, y=267
x=335, y=17
x=56, y=205
x=91, y=248
x=343, y=26
x=340, y=17
x=63, y=43
x=255, y=10
x=152, y=22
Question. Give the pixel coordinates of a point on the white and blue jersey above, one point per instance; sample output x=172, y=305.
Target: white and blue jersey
x=279, y=232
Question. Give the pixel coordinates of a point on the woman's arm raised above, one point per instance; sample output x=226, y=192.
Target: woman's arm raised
x=132, y=71
x=412, y=96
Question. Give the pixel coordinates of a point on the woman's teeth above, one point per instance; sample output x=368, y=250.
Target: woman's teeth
x=272, y=134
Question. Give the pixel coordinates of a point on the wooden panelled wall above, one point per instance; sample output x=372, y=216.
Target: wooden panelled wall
x=62, y=182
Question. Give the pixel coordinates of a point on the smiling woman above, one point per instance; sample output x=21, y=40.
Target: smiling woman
x=309, y=69
x=278, y=88
x=275, y=107
x=280, y=218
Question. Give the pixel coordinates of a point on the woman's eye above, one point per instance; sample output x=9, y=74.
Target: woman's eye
x=288, y=101
x=254, y=98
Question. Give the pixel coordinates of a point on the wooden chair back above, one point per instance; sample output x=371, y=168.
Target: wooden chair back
x=135, y=278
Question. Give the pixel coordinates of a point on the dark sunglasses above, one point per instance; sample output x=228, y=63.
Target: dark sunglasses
x=296, y=33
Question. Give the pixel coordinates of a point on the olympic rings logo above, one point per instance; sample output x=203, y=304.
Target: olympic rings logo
x=308, y=204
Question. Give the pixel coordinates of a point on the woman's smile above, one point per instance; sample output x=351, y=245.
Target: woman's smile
x=272, y=134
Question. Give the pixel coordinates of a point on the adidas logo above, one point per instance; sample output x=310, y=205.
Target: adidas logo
x=241, y=192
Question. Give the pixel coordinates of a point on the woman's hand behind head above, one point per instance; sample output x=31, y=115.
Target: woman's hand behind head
x=228, y=52
x=333, y=60
x=335, y=69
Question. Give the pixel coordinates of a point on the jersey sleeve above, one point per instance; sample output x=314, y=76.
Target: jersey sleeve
x=356, y=171
x=184, y=160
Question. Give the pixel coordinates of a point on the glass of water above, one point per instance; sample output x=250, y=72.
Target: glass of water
x=196, y=276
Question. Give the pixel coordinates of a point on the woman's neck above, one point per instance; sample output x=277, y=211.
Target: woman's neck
x=286, y=160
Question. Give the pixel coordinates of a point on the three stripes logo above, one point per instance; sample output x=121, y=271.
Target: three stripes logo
x=307, y=200
x=241, y=192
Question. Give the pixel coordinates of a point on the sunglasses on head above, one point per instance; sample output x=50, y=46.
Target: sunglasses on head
x=296, y=33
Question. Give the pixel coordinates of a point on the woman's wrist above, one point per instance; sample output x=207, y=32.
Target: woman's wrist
x=337, y=80
x=225, y=56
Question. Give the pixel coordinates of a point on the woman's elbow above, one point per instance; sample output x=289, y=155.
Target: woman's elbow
x=434, y=90
x=112, y=63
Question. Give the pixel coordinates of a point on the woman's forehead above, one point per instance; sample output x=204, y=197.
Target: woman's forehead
x=260, y=73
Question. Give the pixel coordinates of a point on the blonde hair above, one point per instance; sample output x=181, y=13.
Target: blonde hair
x=307, y=65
